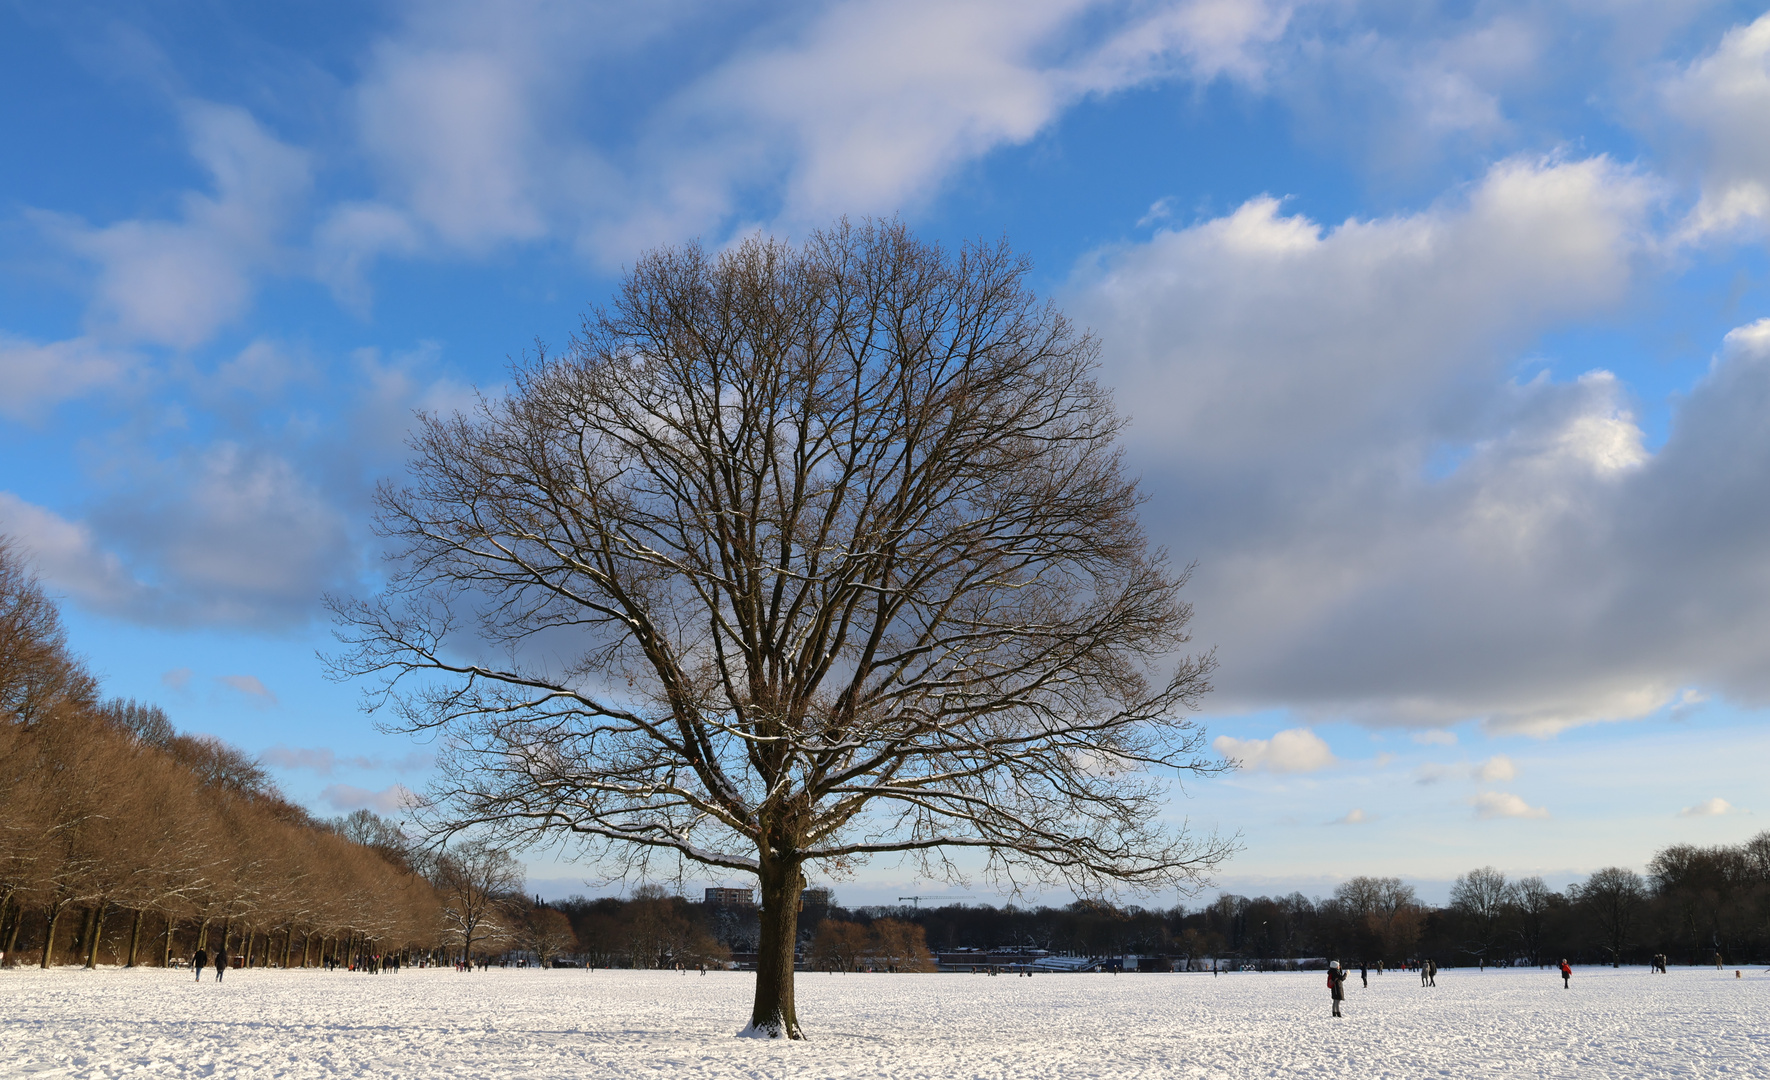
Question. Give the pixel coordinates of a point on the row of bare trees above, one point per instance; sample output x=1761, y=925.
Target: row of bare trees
x=121, y=839
x=653, y=929
x=885, y=945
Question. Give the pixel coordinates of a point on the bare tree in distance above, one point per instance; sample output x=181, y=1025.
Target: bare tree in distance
x=1482, y=898
x=1613, y=895
x=1531, y=901
x=800, y=555
x=547, y=933
x=477, y=880
x=1388, y=909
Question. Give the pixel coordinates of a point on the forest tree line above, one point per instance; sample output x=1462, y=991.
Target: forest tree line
x=124, y=841
x=1692, y=904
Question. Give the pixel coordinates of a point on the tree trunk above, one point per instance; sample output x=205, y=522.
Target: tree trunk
x=203, y=935
x=171, y=931
x=97, y=932
x=11, y=932
x=82, y=935
x=251, y=938
x=6, y=931
x=773, y=1015
x=134, y=937
x=55, y=911
x=11, y=935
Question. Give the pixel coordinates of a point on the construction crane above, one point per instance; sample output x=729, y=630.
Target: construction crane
x=916, y=901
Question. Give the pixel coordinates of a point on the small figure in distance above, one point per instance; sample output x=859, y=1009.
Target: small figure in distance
x=1566, y=973
x=1431, y=972
x=1364, y=974
x=1336, y=985
x=200, y=961
x=220, y=964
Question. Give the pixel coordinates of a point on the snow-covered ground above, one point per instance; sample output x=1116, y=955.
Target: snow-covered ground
x=577, y=1024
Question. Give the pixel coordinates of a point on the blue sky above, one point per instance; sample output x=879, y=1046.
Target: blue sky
x=1439, y=327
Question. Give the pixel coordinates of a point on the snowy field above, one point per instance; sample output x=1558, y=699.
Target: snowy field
x=543, y=1024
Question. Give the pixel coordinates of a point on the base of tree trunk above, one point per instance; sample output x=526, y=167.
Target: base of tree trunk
x=779, y=1031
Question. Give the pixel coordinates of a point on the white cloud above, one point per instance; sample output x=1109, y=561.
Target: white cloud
x=68, y=558
x=477, y=122
x=323, y=760
x=229, y=535
x=34, y=376
x=234, y=534
x=1721, y=100
x=1293, y=388
x=178, y=680
x=1352, y=817
x=176, y=282
x=1495, y=804
x=1432, y=773
x=388, y=800
x=1496, y=770
x=453, y=134
x=1435, y=737
x=1298, y=750
x=251, y=686
x=1709, y=808
x=1259, y=333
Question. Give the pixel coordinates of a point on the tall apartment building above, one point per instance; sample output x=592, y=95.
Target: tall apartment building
x=730, y=897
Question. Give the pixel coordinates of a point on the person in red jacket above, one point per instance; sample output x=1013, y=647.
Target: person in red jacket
x=1336, y=985
x=1566, y=974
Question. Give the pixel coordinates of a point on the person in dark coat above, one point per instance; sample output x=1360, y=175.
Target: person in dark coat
x=1566, y=973
x=200, y=961
x=1364, y=974
x=1336, y=985
x=220, y=964
x=1431, y=973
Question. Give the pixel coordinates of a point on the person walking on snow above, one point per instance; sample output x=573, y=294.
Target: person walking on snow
x=200, y=961
x=1566, y=973
x=1336, y=985
x=220, y=964
x=1364, y=974
x=1431, y=973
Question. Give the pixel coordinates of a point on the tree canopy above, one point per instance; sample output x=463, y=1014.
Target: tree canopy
x=798, y=555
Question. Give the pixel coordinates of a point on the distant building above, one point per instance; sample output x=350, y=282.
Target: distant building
x=818, y=898
x=730, y=898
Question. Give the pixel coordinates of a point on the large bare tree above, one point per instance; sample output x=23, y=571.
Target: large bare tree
x=479, y=883
x=799, y=555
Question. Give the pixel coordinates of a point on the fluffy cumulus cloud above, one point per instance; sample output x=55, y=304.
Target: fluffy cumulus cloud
x=1496, y=804
x=1496, y=770
x=1298, y=750
x=1719, y=102
x=1297, y=391
x=1715, y=807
